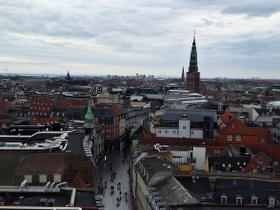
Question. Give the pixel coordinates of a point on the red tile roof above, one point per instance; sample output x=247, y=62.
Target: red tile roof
x=63, y=102
x=45, y=120
x=235, y=127
x=80, y=182
x=258, y=162
x=228, y=119
x=41, y=105
x=117, y=109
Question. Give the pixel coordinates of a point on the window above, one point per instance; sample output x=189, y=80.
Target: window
x=57, y=178
x=223, y=199
x=184, y=127
x=254, y=200
x=166, y=131
x=174, y=132
x=237, y=138
x=217, y=151
x=262, y=141
x=229, y=137
x=159, y=131
x=271, y=201
x=238, y=200
x=28, y=178
x=42, y=178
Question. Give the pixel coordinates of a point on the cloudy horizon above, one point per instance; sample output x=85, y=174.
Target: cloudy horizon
x=237, y=39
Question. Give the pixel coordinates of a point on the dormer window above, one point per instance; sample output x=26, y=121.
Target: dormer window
x=229, y=137
x=254, y=200
x=223, y=199
x=239, y=200
x=271, y=201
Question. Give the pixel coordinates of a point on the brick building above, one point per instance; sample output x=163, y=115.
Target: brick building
x=233, y=131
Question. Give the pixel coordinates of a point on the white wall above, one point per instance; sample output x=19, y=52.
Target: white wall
x=176, y=133
x=196, y=133
x=167, y=132
x=184, y=128
x=199, y=153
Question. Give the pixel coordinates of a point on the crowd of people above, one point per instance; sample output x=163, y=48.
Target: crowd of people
x=112, y=186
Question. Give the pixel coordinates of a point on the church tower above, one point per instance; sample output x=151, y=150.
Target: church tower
x=193, y=76
x=183, y=75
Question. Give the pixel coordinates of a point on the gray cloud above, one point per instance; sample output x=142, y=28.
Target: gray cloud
x=141, y=35
x=255, y=9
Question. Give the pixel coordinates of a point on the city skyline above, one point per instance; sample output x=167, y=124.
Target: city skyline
x=234, y=39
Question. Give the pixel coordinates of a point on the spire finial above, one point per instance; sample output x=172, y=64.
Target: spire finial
x=194, y=31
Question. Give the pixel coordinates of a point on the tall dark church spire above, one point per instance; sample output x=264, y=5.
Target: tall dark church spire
x=193, y=59
x=183, y=75
x=68, y=76
x=193, y=75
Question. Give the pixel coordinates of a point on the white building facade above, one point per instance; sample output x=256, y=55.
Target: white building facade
x=183, y=130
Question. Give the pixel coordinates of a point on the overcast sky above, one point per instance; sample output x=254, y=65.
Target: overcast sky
x=235, y=38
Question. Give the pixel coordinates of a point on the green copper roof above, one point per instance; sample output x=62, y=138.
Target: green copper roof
x=89, y=116
x=193, y=60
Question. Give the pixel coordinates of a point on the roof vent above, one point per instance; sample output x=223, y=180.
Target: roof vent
x=184, y=115
x=23, y=184
x=60, y=185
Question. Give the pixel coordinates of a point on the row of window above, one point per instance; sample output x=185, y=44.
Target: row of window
x=37, y=113
x=254, y=200
x=167, y=131
x=46, y=114
x=237, y=138
x=43, y=178
x=42, y=103
x=171, y=132
x=39, y=108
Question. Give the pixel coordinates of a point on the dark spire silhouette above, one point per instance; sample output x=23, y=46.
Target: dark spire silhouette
x=183, y=74
x=193, y=58
x=68, y=76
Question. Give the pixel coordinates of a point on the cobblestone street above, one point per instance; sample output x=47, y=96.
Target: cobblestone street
x=113, y=182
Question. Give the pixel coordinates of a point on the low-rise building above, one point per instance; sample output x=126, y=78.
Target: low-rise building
x=196, y=124
x=50, y=196
x=234, y=131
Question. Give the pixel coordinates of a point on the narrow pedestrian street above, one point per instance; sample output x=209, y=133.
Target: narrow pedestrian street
x=113, y=182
